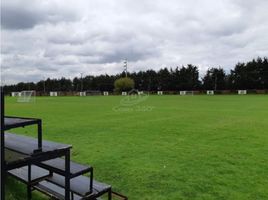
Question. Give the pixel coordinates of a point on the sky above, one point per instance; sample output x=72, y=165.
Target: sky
x=63, y=38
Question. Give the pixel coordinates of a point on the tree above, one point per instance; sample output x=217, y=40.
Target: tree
x=164, y=79
x=250, y=75
x=124, y=84
x=189, y=78
x=215, y=79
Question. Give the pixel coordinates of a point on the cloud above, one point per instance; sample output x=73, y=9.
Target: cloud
x=56, y=38
x=26, y=14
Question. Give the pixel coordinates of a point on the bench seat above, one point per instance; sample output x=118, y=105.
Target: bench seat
x=57, y=165
x=37, y=173
x=80, y=185
x=28, y=145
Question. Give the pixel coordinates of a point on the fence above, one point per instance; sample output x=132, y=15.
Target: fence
x=194, y=92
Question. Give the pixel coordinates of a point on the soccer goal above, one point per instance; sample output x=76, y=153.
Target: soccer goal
x=53, y=94
x=26, y=96
x=82, y=94
x=159, y=92
x=124, y=93
x=106, y=93
x=242, y=91
x=210, y=92
x=15, y=94
x=186, y=93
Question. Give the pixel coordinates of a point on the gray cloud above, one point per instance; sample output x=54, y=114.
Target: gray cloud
x=13, y=18
x=63, y=38
x=26, y=14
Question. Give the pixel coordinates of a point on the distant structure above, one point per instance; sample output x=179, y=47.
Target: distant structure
x=53, y=94
x=125, y=66
x=210, y=92
x=82, y=94
x=26, y=96
x=242, y=92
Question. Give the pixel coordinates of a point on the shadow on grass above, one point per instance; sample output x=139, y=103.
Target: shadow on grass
x=18, y=191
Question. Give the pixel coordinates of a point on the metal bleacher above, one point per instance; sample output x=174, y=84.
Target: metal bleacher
x=45, y=166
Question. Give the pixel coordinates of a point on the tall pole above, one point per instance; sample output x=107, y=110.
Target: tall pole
x=125, y=66
x=81, y=82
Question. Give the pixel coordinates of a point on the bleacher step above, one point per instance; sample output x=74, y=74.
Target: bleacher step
x=28, y=145
x=53, y=190
x=37, y=173
x=80, y=185
x=57, y=165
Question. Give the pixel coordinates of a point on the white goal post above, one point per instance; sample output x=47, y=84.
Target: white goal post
x=186, y=92
x=15, y=94
x=82, y=94
x=105, y=93
x=242, y=92
x=26, y=96
x=210, y=92
x=159, y=92
x=53, y=94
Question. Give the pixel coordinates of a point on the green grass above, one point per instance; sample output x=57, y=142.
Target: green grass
x=164, y=148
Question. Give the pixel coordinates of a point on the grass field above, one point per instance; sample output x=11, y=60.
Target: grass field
x=162, y=147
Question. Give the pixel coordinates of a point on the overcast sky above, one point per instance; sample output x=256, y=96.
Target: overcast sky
x=55, y=38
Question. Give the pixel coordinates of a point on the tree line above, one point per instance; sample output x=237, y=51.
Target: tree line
x=249, y=75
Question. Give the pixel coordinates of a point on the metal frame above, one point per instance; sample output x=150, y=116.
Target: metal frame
x=109, y=194
x=37, y=157
x=62, y=173
x=67, y=175
x=43, y=157
x=27, y=122
x=115, y=194
x=29, y=190
x=3, y=174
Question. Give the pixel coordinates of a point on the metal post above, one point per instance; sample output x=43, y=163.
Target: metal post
x=110, y=194
x=29, y=189
x=125, y=66
x=91, y=181
x=39, y=126
x=2, y=145
x=67, y=175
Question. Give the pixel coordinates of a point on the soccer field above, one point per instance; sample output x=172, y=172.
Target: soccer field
x=160, y=147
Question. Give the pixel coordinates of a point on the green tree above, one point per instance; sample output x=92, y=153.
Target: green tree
x=124, y=84
x=189, y=78
x=215, y=79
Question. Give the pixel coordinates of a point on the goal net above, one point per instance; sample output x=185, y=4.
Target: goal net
x=186, y=93
x=82, y=94
x=15, y=94
x=242, y=92
x=53, y=94
x=210, y=92
x=159, y=92
x=26, y=96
